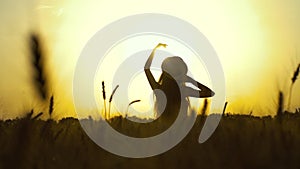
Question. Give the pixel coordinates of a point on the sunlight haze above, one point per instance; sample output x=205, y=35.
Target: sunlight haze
x=258, y=44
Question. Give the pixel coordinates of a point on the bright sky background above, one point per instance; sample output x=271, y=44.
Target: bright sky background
x=256, y=41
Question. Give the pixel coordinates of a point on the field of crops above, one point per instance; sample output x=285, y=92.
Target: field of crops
x=240, y=141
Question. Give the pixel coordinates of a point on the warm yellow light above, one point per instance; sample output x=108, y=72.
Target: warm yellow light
x=240, y=32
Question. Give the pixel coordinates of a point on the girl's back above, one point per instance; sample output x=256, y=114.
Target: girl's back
x=168, y=104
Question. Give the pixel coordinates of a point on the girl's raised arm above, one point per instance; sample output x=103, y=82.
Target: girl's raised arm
x=149, y=61
x=153, y=83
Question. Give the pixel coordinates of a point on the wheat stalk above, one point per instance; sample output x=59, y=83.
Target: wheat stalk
x=135, y=101
x=37, y=116
x=280, y=104
x=224, y=109
x=104, y=98
x=38, y=63
x=296, y=74
x=294, y=79
x=110, y=99
x=51, y=106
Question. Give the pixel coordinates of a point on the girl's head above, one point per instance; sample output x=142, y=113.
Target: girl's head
x=174, y=66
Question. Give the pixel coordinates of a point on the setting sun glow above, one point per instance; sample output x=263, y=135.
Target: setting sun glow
x=256, y=41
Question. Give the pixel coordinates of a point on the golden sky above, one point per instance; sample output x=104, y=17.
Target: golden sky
x=256, y=41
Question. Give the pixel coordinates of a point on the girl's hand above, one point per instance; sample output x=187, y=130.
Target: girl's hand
x=161, y=44
x=149, y=61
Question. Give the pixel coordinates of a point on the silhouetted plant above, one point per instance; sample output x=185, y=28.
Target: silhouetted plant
x=37, y=116
x=22, y=145
x=280, y=105
x=294, y=78
x=51, y=106
x=224, y=109
x=110, y=99
x=135, y=101
x=29, y=115
x=38, y=63
x=104, y=98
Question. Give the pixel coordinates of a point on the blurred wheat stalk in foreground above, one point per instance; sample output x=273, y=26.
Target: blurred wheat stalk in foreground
x=38, y=64
x=110, y=99
x=294, y=78
x=40, y=77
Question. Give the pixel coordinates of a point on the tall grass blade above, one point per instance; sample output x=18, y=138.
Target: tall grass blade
x=110, y=99
x=135, y=101
x=113, y=93
x=104, y=98
x=224, y=109
x=29, y=115
x=37, y=116
x=280, y=105
x=51, y=106
x=296, y=74
x=294, y=78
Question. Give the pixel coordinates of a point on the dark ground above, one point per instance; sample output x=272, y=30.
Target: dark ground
x=239, y=142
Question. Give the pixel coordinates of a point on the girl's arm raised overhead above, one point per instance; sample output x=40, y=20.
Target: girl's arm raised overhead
x=149, y=61
x=151, y=79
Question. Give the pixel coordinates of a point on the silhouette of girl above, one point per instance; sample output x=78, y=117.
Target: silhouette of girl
x=171, y=96
x=172, y=84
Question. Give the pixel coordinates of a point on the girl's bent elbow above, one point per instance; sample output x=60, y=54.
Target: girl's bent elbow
x=208, y=94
